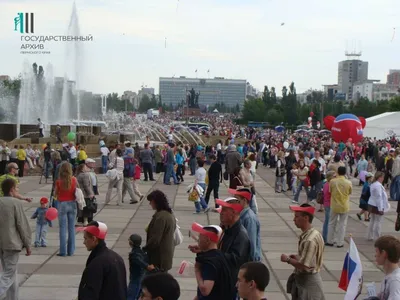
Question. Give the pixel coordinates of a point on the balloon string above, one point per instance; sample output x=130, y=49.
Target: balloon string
x=394, y=33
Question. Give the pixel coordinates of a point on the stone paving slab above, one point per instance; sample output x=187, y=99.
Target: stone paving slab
x=44, y=275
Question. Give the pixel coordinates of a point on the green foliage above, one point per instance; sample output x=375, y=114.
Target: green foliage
x=114, y=103
x=146, y=103
x=13, y=86
x=291, y=112
x=254, y=110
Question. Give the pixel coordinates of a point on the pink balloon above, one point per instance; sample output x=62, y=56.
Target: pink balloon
x=51, y=214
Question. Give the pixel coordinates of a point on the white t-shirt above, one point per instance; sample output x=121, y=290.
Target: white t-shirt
x=390, y=287
x=201, y=175
x=72, y=152
x=219, y=146
x=322, y=162
x=104, y=151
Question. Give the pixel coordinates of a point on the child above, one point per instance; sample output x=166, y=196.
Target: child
x=387, y=254
x=138, y=263
x=200, y=179
x=41, y=223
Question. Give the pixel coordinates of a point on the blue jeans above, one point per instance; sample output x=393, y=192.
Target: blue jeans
x=202, y=203
x=66, y=218
x=326, y=224
x=170, y=172
x=298, y=190
x=47, y=166
x=192, y=164
x=40, y=236
x=104, y=162
x=134, y=288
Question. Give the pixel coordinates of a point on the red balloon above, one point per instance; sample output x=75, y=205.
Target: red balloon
x=328, y=122
x=347, y=127
x=311, y=114
x=51, y=214
x=363, y=121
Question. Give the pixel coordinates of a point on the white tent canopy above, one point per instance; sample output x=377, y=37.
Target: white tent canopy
x=215, y=111
x=383, y=126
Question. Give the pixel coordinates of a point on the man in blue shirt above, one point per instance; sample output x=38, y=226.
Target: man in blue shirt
x=249, y=221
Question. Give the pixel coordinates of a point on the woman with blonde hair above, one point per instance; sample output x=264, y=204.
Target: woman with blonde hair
x=65, y=188
x=377, y=205
x=280, y=173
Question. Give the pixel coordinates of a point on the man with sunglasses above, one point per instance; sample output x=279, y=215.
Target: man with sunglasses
x=12, y=172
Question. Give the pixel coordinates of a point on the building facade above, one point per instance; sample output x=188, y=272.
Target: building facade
x=349, y=72
x=374, y=91
x=212, y=91
x=393, y=77
x=251, y=91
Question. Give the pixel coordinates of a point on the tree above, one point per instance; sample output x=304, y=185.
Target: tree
x=160, y=104
x=254, y=110
x=274, y=116
x=266, y=97
x=145, y=104
x=237, y=108
x=273, y=95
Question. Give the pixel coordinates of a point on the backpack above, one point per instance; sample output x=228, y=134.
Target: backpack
x=395, y=189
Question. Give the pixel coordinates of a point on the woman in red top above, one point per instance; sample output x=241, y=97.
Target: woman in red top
x=65, y=191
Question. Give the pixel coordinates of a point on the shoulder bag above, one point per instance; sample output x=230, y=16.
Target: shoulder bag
x=178, y=236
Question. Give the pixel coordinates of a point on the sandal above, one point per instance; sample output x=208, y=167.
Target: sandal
x=359, y=217
x=366, y=220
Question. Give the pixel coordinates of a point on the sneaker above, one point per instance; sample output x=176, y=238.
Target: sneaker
x=196, y=212
x=133, y=202
x=359, y=216
x=294, y=201
x=207, y=210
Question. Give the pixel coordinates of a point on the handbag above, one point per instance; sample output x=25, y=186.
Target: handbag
x=226, y=175
x=178, y=236
x=91, y=205
x=290, y=282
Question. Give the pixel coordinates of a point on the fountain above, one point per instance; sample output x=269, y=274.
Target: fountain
x=139, y=127
x=74, y=54
x=38, y=94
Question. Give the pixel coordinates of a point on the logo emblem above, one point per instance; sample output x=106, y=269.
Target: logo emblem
x=24, y=23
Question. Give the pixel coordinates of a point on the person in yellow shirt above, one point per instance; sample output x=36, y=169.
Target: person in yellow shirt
x=21, y=157
x=82, y=155
x=340, y=189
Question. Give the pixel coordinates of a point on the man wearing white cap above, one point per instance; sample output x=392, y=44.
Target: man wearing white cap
x=213, y=275
x=104, y=277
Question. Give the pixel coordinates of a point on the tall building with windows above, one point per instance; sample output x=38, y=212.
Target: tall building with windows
x=393, y=77
x=216, y=90
x=350, y=71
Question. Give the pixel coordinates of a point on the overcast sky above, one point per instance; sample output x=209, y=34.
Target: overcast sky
x=240, y=39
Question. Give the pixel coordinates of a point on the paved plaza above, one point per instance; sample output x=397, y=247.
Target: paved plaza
x=44, y=275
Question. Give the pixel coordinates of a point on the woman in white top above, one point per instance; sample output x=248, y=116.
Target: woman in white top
x=118, y=164
x=377, y=205
x=247, y=177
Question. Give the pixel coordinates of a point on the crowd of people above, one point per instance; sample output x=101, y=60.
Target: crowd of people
x=227, y=255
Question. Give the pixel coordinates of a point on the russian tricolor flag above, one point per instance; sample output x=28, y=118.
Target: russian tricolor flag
x=351, y=279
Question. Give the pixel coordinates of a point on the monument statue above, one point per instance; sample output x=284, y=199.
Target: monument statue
x=193, y=99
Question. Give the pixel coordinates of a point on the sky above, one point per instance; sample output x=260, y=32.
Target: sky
x=238, y=39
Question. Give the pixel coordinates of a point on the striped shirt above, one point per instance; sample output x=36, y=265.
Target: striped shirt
x=311, y=249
